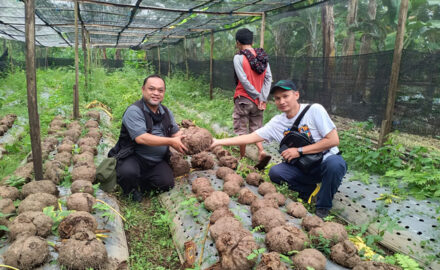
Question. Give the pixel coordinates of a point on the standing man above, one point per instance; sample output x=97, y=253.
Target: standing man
x=142, y=151
x=315, y=123
x=253, y=79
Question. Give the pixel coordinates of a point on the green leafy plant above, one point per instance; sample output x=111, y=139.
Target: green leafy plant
x=15, y=181
x=56, y=215
x=254, y=254
x=104, y=211
x=191, y=206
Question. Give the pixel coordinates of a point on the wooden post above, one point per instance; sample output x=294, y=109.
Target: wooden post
x=75, y=89
x=169, y=59
x=45, y=62
x=263, y=25
x=395, y=68
x=84, y=48
x=186, y=58
x=31, y=81
x=211, y=84
x=158, y=58
x=328, y=41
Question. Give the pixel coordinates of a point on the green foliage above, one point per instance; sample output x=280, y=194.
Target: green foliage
x=255, y=253
x=320, y=243
x=191, y=206
x=104, y=211
x=418, y=177
x=56, y=215
x=404, y=261
x=15, y=181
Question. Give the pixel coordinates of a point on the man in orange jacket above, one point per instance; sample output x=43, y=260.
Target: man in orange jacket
x=253, y=79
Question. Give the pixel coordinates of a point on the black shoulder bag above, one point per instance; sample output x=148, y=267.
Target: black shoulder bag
x=307, y=162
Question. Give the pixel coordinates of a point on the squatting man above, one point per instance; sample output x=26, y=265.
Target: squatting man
x=318, y=125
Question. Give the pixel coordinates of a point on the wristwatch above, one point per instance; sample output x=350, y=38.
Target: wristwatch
x=300, y=151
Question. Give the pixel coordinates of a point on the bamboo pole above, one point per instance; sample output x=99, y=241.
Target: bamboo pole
x=263, y=26
x=31, y=81
x=158, y=58
x=210, y=66
x=186, y=58
x=169, y=59
x=84, y=48
x=75, y=88
x=395, y=68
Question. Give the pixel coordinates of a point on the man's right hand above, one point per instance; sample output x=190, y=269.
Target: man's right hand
x=262, y=105
x=176, y=143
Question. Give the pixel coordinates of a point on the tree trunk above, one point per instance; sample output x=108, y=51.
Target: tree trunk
x=104, y=53
x=362, y=74
x=328, y=42
x=118, y=54
x=349, y=41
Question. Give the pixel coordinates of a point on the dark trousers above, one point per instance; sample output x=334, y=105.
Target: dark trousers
x=329, y=174
x=135, y=172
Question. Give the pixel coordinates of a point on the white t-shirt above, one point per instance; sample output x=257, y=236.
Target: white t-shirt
x=316, y=123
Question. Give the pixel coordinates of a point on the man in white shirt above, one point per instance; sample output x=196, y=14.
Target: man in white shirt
x=317, y=124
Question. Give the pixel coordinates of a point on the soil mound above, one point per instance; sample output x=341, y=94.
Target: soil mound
x=7, y=206
x=277, y=197
x=53, y=171
x=332, y=231
x=204, y=192
x=187, y=123
x=29, y=224
x=220, y=152
x=77, y=222
x=269, y=218
x=81, y=202
x=223, y=225
x=246, y=196
x=234, y=177
x=217, y=199
x=262, y=203
x=37, y=202
x=87, y=148
x=228, y=161
x=91, y=124
x=83, y=251
x=27, y=253
x=83, y=159
x=310, y=222
x=65, y=147
x=219, y=213
x=372, y=265
x=25, y=171
x=266, y=188
x=296, y=209
x=223, y=171
x=95, y=134
x=72, y=134
x=200, y=182
x=254, y=179
x=346, y=254
x=286, y=238
x=64, y=158
x=196, y=140
x=94, y=115
x=202, y=161
x=309, y=258
x=82, y=186
x=8, y=192
x=42, y=186
x=231, y=188
x=271, y=261
x=178, y=164
x=87, y=141
x=87, y=173
x=237, y=247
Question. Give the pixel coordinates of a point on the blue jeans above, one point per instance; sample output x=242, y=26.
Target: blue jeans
x=329, y=174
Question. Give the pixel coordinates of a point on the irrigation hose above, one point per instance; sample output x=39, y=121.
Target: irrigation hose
x=203, y=244
x=318, y=187
x=7, y=266
x=114, y=210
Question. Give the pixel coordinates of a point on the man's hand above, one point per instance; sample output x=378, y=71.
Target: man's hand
x=176, y=143
x=215, y=143
x=262, y=105
x=290, y=154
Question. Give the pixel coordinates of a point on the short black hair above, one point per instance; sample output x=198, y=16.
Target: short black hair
x=154, y=76
x=244, y=36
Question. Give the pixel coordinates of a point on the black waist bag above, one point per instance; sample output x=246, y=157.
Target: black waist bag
x=307, y=162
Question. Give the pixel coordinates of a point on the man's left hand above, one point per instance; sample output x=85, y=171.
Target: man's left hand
x=290, y=154
x=262, y=105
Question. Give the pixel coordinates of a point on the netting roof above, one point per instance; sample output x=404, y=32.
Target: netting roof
x=130, y=23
